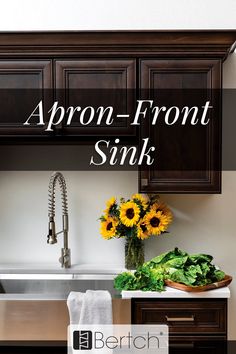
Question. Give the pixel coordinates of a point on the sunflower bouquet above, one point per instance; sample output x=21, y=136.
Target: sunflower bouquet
x=135, y=219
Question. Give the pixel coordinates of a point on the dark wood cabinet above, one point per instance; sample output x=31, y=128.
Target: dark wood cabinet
x=195, y=325
x=23, y=84
x=115, y=68
x=97, y=83
x=187, y=157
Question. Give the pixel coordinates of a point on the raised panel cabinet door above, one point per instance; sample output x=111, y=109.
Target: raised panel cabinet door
x=195, y=325
x=23, y=84
x=187, y=158
x=97, y=83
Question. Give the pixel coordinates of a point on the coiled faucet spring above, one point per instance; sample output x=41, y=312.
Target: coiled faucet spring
x=57, y=177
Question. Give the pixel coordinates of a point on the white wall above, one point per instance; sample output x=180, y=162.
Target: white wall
x=203, y=223
x=116, y=14
x=24, y=221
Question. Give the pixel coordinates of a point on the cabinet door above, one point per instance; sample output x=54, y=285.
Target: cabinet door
x=187, y=158
x=23, y=84
x=97, y=83
x=195, y=325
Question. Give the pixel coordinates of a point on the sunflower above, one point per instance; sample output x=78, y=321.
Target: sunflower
x=156, y=222
x=109, y=205
x=142, y=199
x=160, y=206
x=142, y=231
x=108, y=227
x=129, y=213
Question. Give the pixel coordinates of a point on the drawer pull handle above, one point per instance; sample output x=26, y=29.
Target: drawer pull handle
x=180, y=319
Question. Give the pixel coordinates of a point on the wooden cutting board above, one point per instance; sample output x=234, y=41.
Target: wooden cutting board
x=220, y=284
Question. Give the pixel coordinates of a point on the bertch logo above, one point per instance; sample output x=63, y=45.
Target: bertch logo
x=105, y=339
x=82, y=340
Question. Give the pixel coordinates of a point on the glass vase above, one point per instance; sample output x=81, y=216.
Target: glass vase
x=134, y=253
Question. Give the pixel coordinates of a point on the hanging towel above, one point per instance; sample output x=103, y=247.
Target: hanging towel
x=74, y=304
x=96, y=308
x=92, y=307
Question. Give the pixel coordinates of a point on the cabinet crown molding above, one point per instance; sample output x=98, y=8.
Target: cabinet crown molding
x=217, y=43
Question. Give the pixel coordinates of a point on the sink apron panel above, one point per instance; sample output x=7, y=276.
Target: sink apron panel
x=45, y=320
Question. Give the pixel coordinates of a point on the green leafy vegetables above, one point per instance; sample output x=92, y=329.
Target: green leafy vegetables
x=176, y=265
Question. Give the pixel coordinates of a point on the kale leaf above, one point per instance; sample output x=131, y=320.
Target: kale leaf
x=176, y=265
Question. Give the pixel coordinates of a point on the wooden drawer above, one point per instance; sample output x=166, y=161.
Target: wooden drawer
x=195, y=317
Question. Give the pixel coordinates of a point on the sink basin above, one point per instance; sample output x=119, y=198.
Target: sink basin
x=39, y=282
x=50, y=289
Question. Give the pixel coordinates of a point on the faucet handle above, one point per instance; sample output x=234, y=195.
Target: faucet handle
x=65, y=258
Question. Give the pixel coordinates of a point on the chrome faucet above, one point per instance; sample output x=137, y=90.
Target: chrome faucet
x=52, y=234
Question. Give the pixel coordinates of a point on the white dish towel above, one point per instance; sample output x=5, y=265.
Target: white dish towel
x=92, y=307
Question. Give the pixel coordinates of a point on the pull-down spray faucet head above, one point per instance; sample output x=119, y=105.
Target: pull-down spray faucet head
x=52, y=236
